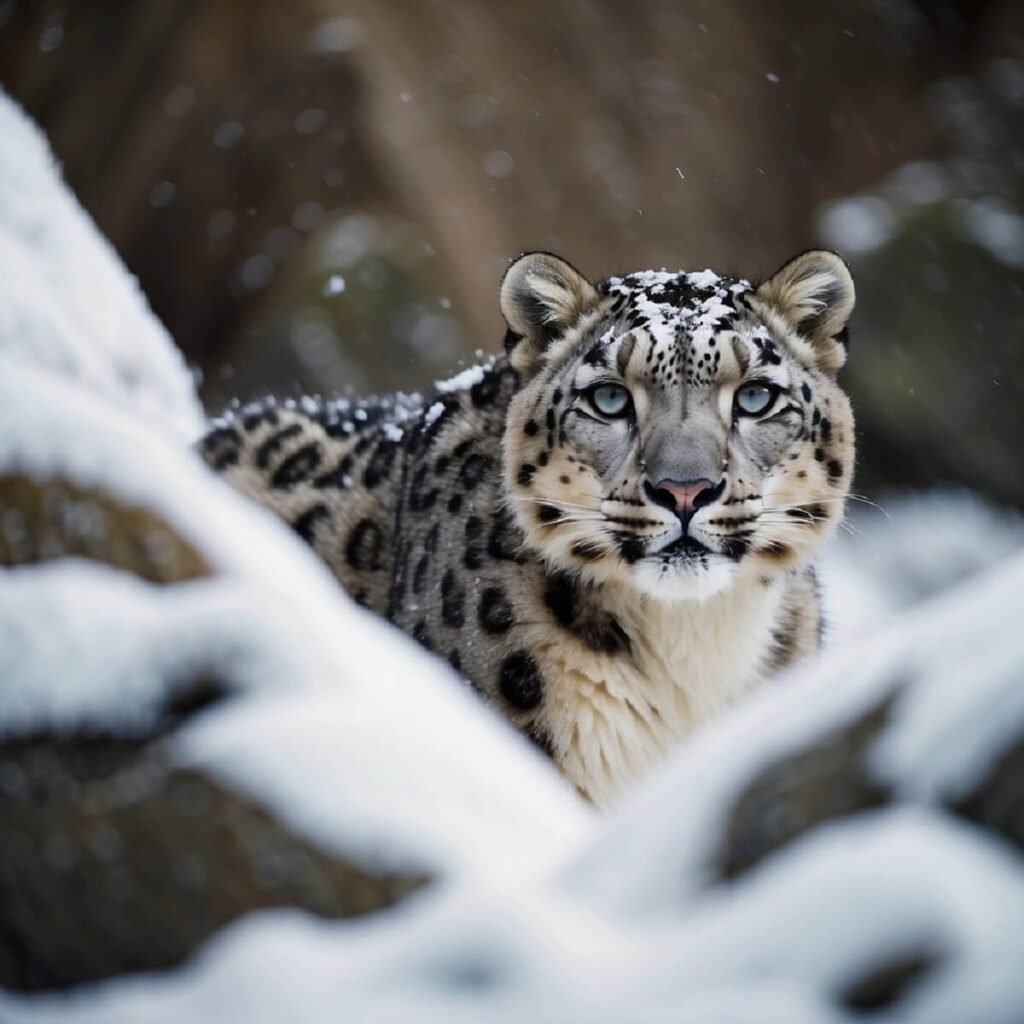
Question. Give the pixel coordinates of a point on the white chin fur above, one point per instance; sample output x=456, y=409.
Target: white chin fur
x=683, y=580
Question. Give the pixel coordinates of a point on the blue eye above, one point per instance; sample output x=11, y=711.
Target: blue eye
x=610, y=400
x=756, y=398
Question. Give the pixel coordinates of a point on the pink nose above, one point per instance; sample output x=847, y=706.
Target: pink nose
x=684, y=492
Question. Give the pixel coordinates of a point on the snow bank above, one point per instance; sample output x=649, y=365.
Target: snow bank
x=66, y=301
x=270, y=619
x=906, y=548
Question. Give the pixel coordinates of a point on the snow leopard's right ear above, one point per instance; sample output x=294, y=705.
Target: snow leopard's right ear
x=541, y=296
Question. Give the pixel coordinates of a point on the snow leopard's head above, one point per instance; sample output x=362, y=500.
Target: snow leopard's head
x=678, y=429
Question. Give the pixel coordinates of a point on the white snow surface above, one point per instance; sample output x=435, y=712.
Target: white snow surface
x=66, y=301
x=464, y=379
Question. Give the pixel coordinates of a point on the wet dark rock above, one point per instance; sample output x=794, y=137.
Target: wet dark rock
x=114, y=861
x=800, y=791
x=56, y=518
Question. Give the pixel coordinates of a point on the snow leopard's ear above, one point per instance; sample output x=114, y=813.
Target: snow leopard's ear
x=814, y=295
x=541, y=296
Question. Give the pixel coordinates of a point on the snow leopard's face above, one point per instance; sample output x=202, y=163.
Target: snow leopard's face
x=678, y=430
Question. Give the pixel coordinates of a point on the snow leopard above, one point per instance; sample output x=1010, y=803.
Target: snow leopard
x=609, y=530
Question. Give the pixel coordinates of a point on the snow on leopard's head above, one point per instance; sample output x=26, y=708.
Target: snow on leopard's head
x=678, y=430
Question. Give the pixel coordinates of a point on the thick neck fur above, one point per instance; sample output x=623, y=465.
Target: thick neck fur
x=613, y=716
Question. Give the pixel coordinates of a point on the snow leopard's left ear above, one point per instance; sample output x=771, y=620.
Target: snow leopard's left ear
x=814, y=295
x=541, y=297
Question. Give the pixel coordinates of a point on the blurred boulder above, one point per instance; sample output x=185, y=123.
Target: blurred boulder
x=937, y=249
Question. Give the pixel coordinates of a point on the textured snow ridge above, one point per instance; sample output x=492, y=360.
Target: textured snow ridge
x=800, y=940
x=343, y=725
x=66, y=301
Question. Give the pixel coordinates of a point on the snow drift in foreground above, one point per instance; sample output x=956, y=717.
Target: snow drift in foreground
x=67, y=302
x=846, y=842
x=369, y=718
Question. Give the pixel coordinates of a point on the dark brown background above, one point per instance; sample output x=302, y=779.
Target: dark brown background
x=320, y=195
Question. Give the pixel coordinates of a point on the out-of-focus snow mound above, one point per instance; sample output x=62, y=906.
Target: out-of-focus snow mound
x=906, y=548
x=66, y=301
x=229, y=794
x=195, y=721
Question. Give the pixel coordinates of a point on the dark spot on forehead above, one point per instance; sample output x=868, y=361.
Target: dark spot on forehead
x=767, y=352
x=835, y=469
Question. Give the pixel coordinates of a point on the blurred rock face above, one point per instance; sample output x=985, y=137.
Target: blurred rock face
x=938, y=251
x=317, y=198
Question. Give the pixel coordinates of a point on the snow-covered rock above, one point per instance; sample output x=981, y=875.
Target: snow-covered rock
x=325, y=717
